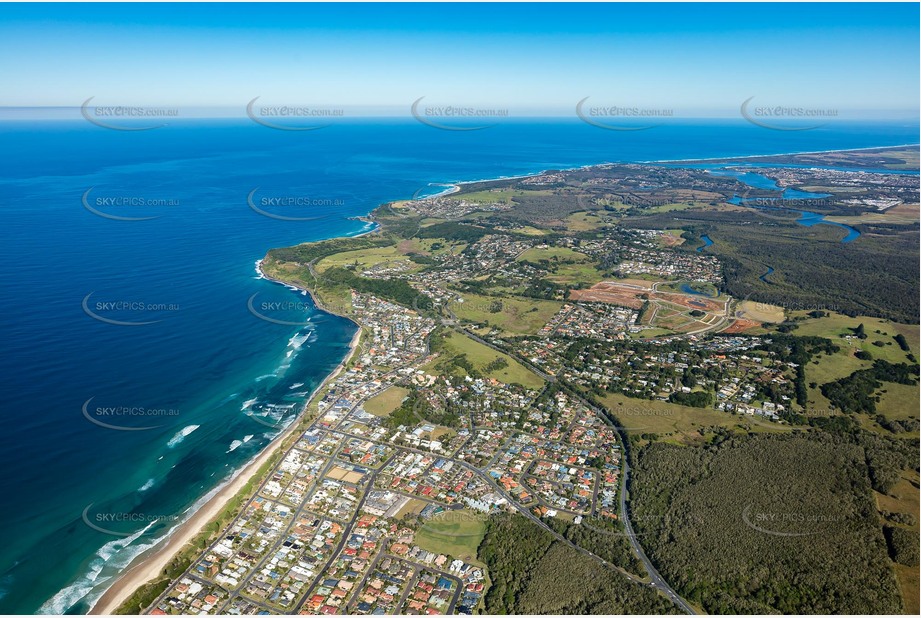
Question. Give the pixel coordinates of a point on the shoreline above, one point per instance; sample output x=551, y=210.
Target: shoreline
x=455, y=186
x=147, y=566
x=782, y=154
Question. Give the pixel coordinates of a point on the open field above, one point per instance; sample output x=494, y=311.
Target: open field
x=899, y=401
x=760, y=312
x=566, y=266
x=577, y=274
x=431, y=246
x=828, y=368
x=364, y=258
x=585, y=221
x=413, y=507
x=836, y=324
x=671, y=238
x=479, y=355
x=386, y=402
x=661, y=208
x=536, y=254
x=515, y=316
x=455, y=533
x=903, y=213
x=677, y=423
x=529, y=230
x=341, y=474
x=443, y=433
x=909, y=584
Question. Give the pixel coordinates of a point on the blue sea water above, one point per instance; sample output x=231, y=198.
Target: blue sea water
x=80, y=499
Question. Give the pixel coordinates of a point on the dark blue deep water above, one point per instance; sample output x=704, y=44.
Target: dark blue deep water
x=204, y=362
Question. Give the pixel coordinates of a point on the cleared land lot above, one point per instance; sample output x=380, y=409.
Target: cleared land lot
x=479, y=355
x=455, y=533
x=386, y=402
x=679, y=424
x=515, y=316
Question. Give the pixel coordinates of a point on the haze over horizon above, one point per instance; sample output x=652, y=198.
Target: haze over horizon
x=542, y=61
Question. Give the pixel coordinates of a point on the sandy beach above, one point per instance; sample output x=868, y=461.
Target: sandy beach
x=147, y=567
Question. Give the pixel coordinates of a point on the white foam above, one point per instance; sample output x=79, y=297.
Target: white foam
x=147, y=485
x=70, y=595
x=234, y=446
x=248, y=438
x=298, y=340
x=295, y=385
x=248, y=404
x=181, y=435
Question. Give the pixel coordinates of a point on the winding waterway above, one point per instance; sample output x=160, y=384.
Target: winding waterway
x=806, y=219
x=759, y=181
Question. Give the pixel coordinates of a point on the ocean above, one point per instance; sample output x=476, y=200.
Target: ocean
x=144, y=360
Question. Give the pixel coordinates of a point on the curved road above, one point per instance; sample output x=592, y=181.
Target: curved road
x=656, y=579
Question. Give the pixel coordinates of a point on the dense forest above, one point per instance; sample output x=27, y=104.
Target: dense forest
x=416, y=408
x=396, y=290
x=767, y=523
x=603, y=537
x=533, y=573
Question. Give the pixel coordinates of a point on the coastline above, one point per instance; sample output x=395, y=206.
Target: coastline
x=456, y=186
x=147, y=567
x=782, y=154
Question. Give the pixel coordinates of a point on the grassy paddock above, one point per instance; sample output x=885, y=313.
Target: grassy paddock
x=677, y=423
x=518, y=316
x=479, y=355
x=455, y=533
x=386, y=402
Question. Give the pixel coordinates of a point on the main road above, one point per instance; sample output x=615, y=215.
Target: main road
x=656, y=579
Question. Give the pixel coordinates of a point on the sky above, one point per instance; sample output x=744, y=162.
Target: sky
x=693, y=59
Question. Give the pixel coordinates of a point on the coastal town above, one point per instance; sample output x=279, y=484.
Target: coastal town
x=532, y=309
x=499, y=369
x=335, y=526
x=410, y=449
